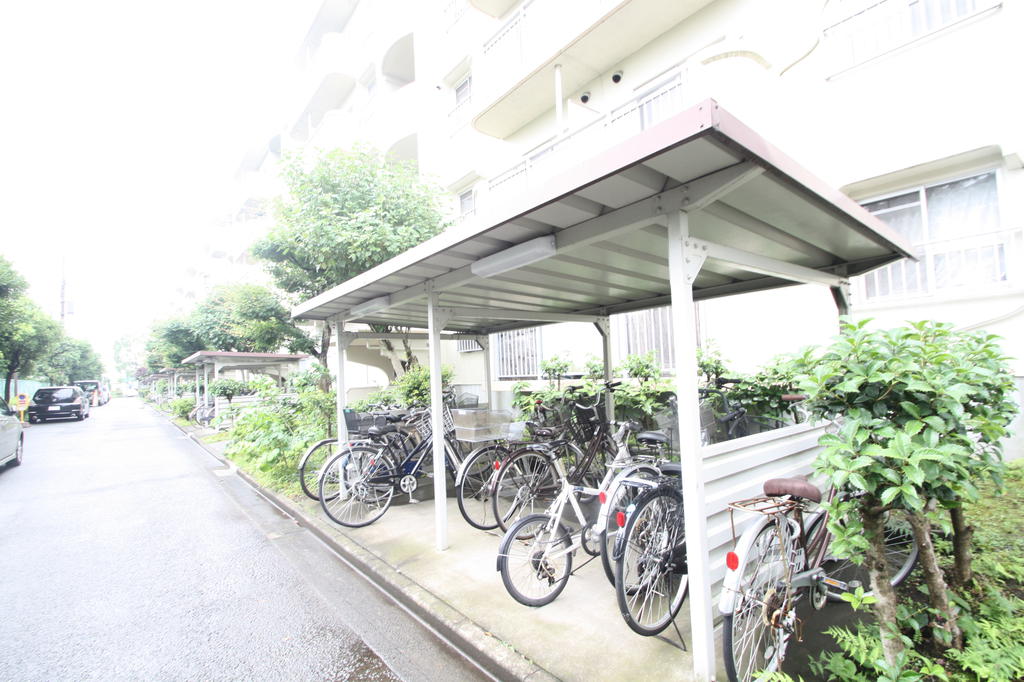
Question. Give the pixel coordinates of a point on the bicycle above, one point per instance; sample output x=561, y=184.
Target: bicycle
x=357, y=485
x=528, y=480
x=385, y=431
x=779, y=558
x=535, y=555
x=476, y=477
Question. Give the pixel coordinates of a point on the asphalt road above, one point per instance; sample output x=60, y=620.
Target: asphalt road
x=127, y=552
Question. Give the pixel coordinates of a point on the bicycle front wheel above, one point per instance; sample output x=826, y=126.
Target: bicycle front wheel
x=758, y=627
x=473, y=487
x=311, y=464
x=620, y=497
x=357, y=486
x=535, y=559
x=651, y=575
x=527, y=483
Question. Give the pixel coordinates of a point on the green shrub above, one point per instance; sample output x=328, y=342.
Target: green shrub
x=228, y=388
x=413, y=387
x=181, y=407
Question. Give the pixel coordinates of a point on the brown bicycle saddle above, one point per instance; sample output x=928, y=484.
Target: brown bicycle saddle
x=797, y=486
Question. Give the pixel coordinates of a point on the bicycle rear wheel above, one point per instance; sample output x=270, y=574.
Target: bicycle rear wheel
x=473, y=488
x=651, y=576
x=758, y=627
x=620, y=497
x=357, y=486
x=311, y=464
x=527, y=483
x=900, y=554
x=535, y=560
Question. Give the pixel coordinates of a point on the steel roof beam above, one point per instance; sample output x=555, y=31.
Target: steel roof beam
x=754, y=262
x=525, y=315
x=748, y=222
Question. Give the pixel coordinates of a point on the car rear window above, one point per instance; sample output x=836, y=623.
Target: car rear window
x=87, y=385
x=54, y=395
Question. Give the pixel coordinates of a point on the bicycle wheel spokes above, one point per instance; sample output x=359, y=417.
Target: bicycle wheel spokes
x=756, y=633
x=356, y=487
x=900, y=555
x=535, y=560
x=526, y=484
x=474, y=489
x=651, y=577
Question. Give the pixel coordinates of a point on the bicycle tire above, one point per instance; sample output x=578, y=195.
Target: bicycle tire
x=357, y=486
x=901, y=553
x=619, y=497
x=530, y=576
x=651, y=577
x=527, y=483
x=473, y=485
x=312, y=462
x=750, y=643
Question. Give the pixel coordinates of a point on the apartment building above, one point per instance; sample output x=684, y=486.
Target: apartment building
x=909, y=106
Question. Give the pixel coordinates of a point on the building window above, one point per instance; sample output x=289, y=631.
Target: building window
x=859, y=30
x=464, y=91
x=957, y=236
x=642, y=332
x=467, y=345
x=517, y=354
x=467, y=203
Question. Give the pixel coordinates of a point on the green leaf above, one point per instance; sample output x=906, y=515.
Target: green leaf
x=890, y=494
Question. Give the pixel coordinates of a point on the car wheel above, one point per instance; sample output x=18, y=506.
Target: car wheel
x=80, y=416
x=18, y=454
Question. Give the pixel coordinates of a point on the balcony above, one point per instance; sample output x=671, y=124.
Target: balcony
x=972, y=265
x=514, y=75
x=661, y=101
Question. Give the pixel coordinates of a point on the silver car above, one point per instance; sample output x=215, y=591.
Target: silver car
x=12, y=440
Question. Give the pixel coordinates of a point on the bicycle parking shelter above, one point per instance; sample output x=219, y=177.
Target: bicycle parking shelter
x=696, y=207
x=215, y=362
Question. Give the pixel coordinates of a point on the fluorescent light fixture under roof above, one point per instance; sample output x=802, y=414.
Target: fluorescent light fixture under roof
x=374, y=305
x=514, y=257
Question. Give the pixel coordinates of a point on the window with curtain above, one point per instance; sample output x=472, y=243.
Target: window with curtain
x=957, y=236
x=643, y=331
x=517, y=354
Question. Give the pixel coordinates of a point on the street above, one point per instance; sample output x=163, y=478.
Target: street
x=128, y=552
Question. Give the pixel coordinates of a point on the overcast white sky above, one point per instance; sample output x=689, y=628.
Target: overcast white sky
x=123, y=123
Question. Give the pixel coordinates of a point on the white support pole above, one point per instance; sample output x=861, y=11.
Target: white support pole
x=206, y=385
x=485, y=343
x=340, y=383
x=196, y=387
x=603, y=325
x=684, y=263
x=435, y=322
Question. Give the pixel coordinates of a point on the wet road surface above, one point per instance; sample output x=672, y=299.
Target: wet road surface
x=127, y=552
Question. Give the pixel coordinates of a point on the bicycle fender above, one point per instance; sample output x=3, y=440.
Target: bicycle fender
x=730, y=585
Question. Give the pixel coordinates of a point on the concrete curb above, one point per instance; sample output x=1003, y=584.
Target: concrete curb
x=497, y=658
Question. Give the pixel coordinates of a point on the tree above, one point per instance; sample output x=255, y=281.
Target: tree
x=344, y=213
x=12, y=285
x=925, y=408
x=70, y=360
x=25, y=338
x=171, y=342
x=246, y=318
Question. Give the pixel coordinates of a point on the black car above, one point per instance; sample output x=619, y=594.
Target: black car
x=58, y=402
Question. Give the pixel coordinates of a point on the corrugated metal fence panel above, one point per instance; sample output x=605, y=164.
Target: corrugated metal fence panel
x=737, y=469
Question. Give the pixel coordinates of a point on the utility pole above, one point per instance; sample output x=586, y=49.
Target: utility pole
x=63, y=282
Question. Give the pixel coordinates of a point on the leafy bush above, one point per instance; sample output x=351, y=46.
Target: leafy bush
x=413, y=387
x=228, y=388
x=641, y=367
x=181, y=407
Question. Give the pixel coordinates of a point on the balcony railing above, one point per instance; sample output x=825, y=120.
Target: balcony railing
x=963, y=266
x=658, y=103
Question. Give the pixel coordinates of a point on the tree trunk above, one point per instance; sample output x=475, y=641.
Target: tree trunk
x=885, y=594
x=410, y=357
x=321, y=354
x=945, y=618
x=963, y=533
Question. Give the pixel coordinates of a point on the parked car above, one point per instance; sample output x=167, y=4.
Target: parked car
x=58, y=402
x=12, y=440
x=94, y=388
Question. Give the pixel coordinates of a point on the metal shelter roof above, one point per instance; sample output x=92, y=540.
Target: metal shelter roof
x=242, y=360
x=593, y=241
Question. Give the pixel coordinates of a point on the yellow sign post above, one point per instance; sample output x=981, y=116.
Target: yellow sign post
x=21, y=404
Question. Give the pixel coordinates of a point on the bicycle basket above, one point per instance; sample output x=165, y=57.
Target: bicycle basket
x=584, y=421
x=422, y=423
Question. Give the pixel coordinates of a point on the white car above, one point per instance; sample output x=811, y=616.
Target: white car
x=12, y=440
